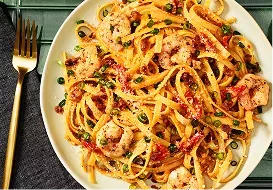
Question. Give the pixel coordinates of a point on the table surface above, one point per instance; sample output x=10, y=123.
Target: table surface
x=45, y=12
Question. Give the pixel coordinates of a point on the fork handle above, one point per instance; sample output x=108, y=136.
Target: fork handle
x=13, y=131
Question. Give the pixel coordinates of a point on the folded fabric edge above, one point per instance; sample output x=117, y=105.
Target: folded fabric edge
x=5, y=11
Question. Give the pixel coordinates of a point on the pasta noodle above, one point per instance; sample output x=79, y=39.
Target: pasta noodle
x=161, y=90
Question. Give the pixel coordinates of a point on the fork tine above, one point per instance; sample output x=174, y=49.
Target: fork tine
x=28, y=38
x=23, y=40
x=17, y=41
x=34, y=40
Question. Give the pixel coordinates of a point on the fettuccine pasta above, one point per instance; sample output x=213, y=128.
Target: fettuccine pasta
x=161, y=90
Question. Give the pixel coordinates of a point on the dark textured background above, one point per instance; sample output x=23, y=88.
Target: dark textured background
x=35, y=163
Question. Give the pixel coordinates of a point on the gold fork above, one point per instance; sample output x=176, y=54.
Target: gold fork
x=24, y=61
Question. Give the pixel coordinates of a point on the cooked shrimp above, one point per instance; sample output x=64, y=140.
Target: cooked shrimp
x=181, y=178
x=176, y=49
x=116, y=25
x=113, y=140
x=88, y=62
x=256, y=92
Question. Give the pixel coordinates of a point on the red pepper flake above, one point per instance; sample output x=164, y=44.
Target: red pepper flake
x=234, y=90
x=122, y=75
x=248, y=58
x=160, y=152
x=123, y=79
x=99, y=102
x=238, y=89
x=225, y=41
x=91, y=146
x=145, y=44
x=72, y=61
x=209, y=45
x=228, y=71
x=135, y=16
x=223, y=93
x=76, y=94
x=121, y=104
x=187, y=147
x=185, y=111
x=59, y=109
x=196, y=44
x=187, y=78
x=227, y=104
x=179, y=3
x=196, y=103
x=226, y=128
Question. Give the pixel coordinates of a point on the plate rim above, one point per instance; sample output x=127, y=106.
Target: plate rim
x=50, y=136
x=57, y=152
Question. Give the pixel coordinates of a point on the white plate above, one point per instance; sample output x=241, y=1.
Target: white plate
x=52, y=93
